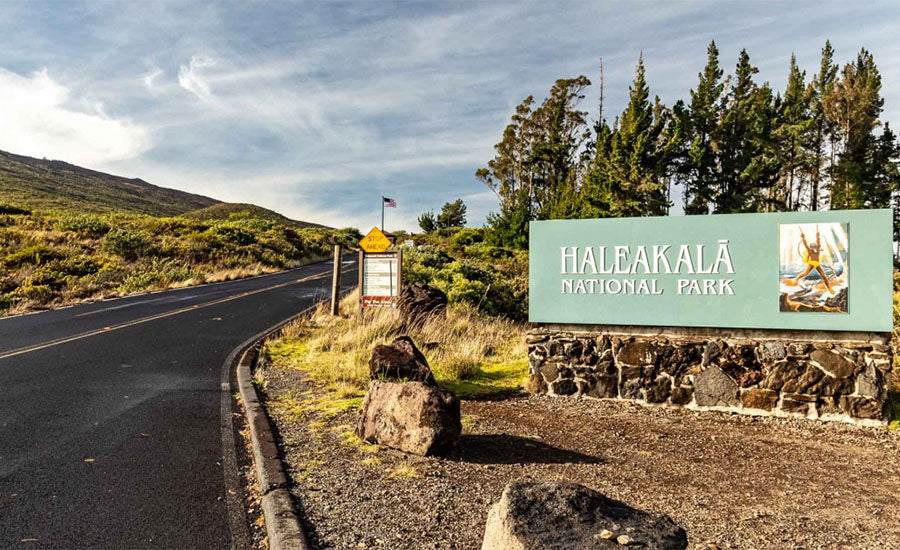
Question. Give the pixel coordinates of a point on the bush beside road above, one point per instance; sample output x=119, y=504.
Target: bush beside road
x=56, y=258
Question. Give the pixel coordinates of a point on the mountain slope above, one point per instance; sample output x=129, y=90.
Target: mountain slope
x=225, y=210
x=57, y=185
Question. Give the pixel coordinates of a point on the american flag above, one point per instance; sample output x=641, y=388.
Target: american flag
x=389, y=203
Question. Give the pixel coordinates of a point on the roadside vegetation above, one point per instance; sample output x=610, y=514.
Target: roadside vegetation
x=55, y=258
x=471, y=354
x=490, y=279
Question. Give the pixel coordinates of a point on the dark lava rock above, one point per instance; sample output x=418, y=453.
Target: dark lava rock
x=400, y=361
x=681, y=395
x=535, y=384
x=863, y=407
x=605, y=387
x=658, y=391
x=712, y=388
x=557, y=516
x=833, y=363
x=759, y=398
x=419, y=301
x=636, y=354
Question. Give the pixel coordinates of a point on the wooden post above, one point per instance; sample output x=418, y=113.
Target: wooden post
x=362, y=258
x=399, y=274
x=336, y=279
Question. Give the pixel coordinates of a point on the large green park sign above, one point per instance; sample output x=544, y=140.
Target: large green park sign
x=803, y=270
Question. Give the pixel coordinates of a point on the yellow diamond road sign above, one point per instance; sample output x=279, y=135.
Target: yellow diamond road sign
x=375, y=241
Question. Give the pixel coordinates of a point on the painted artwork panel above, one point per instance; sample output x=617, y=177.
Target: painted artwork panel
x=814, y=267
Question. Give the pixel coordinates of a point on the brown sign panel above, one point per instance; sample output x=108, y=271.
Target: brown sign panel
x=380, y=279
x=378, y=301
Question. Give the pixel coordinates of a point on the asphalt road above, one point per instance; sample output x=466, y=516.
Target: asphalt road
x=115, y=417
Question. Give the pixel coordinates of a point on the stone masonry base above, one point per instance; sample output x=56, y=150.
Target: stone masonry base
x=752, y=372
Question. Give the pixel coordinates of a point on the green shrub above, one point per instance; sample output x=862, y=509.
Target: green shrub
x=467, y=236
x=485, y=251
x=435, y=258
x=127, y=244
x=13, y=209
x=35, y=254
x=91, y=226
x=157, y=274
x=78, y=266
x=47, y=257
x=37, y=293
x=491, y=279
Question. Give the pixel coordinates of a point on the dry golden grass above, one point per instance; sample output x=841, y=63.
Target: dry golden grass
x=469, y=353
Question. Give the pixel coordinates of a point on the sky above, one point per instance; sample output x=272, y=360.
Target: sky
x=317, y=109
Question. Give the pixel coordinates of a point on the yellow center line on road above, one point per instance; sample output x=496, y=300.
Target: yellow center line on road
x=126, y=324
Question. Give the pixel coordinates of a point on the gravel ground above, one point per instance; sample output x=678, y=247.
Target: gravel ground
x=731, y=481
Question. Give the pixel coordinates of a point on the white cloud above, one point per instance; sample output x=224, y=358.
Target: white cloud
x=37, y=120
x=314, y=108
x=150, y=79
x=191, y=79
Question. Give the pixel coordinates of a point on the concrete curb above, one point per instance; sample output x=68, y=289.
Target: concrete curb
x=282, y=522
x=283, y=525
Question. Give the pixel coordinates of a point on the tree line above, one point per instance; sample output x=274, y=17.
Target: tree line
x=452, y=215
x=734, y=145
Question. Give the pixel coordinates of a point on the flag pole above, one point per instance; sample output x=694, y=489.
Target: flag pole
x=382, y=212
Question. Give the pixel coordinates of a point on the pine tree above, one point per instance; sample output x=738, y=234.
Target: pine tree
x=822, y=129
x=854, y=106
x=629, y=174
x=885, y=170
x=596, y=190
x=453, y=214
x=427, y=222
x=700, y=127
x=747, y=169
x=794, y=122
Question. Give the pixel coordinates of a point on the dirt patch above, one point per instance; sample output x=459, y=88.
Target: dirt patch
x=731, y=481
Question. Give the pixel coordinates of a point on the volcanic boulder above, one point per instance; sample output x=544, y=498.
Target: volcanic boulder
x=557, y=516
x=410, y=416
x=419, y=301
x=400, y=361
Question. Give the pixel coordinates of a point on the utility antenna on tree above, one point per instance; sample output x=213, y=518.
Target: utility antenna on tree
x=600, y=113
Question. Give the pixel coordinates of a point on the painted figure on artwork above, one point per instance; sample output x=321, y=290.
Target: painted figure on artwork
x=811, y=259
x=813, y=272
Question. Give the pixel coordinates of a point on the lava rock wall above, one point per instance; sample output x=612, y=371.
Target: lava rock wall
x=845, y=380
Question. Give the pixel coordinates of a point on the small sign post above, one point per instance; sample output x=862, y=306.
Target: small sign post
x=336, y=279
x=380, y=276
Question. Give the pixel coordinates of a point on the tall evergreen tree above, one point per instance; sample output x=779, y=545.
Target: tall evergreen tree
x=536, y=170
x=735, y=146
x=792, y=132
x=854, y=106
x=453, y=214
x=699, y=124
x=562, y=130
x=747, y=170
x=631, y=159
x=427, y=221
x=822, y=128
x=885, y=170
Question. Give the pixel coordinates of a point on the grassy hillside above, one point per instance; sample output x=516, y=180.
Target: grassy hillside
x=228, y=210
x=56, y=185
x=69, y=234
x=48, y=259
